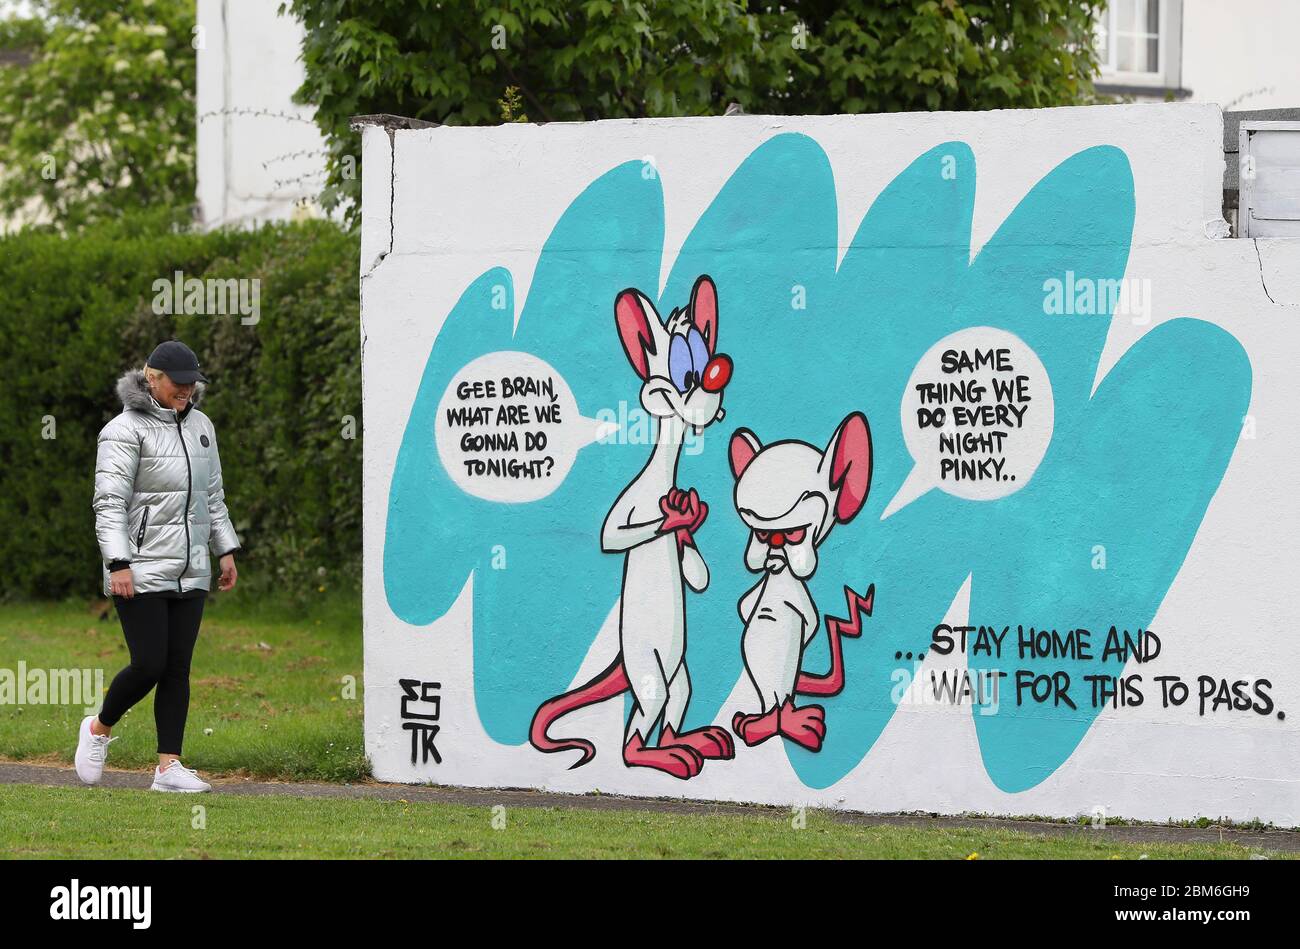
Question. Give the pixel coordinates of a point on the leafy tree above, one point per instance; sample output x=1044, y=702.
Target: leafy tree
x=453, y=63
x=98, y=116
x=909, y=55
x=19, y=38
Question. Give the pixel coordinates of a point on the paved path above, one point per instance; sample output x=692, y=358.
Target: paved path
x=64, y=776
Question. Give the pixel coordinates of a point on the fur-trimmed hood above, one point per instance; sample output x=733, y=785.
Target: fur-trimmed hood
x=133, y=390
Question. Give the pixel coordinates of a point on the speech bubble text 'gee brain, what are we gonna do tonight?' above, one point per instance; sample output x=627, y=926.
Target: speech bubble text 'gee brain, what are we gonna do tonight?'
x=508, y=428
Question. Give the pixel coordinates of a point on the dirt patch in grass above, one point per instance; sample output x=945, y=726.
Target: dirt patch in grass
x=221, y=682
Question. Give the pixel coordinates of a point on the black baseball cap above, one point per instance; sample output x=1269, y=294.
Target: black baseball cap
x=178, y=361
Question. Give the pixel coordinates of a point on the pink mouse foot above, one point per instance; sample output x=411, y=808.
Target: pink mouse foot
x=708, y=742
x=804, y=726
x=680, y=761
x=757, y=728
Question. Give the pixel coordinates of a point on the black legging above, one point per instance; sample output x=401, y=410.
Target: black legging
x=160, y=632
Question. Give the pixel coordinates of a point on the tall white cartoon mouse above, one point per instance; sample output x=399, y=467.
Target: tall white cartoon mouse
x=790, y=494
x=652, y=524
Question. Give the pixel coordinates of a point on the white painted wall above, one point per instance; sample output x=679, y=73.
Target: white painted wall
x=260, y=156
x=466, y=199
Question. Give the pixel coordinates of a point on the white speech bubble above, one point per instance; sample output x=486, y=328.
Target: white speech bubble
x=508, y=428
x=977, y=417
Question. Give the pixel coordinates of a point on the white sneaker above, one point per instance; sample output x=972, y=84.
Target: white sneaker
x=177, y=777
x=92, y=752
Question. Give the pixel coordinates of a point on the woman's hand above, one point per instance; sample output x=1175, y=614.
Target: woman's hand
x=228, y=573
x=120, y=583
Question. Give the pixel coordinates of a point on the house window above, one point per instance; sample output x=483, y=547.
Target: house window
x=1128, y=37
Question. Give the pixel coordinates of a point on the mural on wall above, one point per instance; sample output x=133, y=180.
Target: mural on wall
x=967, y=443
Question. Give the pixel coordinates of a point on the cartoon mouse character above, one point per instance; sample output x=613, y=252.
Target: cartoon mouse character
x=652, y=523
x=790, y=495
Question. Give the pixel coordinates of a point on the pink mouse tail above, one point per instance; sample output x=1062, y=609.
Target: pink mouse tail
x=832, y=683
x=611, y=682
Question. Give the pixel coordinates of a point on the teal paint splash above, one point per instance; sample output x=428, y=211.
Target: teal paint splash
x=1131, y=468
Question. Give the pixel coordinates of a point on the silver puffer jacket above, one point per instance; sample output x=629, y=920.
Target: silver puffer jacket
x=159, y=501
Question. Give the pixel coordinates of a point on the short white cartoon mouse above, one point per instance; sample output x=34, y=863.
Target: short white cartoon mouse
x=790, y=495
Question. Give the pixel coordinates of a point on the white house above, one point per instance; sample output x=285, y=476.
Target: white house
x=260, y=156
x=1240, y=56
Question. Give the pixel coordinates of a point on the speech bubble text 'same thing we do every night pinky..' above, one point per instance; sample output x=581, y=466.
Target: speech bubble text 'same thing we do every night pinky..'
x=977, y=417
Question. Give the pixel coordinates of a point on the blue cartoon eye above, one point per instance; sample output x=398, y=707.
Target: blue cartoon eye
x=680, y=367
x=699, y=351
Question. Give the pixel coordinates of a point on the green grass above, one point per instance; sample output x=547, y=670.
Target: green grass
x=266, y=680
x=98, y=822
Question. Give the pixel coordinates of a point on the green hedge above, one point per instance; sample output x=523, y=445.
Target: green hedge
x=75, y=312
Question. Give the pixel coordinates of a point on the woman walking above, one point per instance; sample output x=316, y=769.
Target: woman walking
x=160, y=516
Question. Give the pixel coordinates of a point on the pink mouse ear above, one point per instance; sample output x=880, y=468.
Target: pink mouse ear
x=849, y=454
x=634, y=331
x=704, y=310
x=744, y=446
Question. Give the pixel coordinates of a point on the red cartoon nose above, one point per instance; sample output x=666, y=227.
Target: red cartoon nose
x=717, y=373
x=777, y=539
